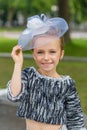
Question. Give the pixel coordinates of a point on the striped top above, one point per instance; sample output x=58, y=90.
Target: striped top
x=48, y=100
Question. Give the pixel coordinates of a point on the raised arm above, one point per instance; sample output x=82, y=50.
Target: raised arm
x=15, y=84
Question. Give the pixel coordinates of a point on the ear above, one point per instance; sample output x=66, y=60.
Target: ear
x=62, y=55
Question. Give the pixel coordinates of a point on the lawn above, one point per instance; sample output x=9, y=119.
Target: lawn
x=6, y=44
x=15, y=29
x=78, y=48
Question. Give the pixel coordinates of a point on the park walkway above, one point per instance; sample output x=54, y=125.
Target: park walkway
x=8, y=119
x=15, y=35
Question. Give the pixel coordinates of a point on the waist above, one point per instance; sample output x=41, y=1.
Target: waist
x=34, y=125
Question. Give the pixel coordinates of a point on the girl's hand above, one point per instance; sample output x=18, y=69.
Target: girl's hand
x=17, y=55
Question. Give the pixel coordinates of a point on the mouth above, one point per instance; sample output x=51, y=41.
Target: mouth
x=47, y=64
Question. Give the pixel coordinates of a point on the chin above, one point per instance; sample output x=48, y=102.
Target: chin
x=47, y=69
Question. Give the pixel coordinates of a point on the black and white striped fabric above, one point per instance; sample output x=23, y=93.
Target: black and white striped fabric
x=48, y=100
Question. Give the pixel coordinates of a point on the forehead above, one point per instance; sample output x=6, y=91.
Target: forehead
x=41, y=41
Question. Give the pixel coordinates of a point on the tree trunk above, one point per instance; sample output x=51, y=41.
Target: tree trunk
x=64, y=12
x=10, y=17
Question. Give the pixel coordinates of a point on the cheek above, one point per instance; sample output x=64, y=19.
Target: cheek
x=37, y=59
x=35, y=56
x=56, y=57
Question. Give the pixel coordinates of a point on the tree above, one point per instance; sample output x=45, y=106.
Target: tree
x=78, y=10
x=64, y=12
x=26, y=7
x=74, y=10
x=13, y=7
x=70, y=10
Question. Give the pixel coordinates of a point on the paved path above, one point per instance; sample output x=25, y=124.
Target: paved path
x=9, y=34
x=74, y=34
x=8, y=119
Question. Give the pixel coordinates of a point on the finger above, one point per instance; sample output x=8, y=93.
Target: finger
x=16, y=47
x=16, y=50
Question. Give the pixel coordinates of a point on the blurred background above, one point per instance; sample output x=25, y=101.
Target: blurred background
x=13, y=18
x=15, y=13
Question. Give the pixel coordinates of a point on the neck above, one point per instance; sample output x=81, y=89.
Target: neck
x=53, y=73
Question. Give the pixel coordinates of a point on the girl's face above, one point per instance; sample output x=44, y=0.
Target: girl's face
x=48, y=56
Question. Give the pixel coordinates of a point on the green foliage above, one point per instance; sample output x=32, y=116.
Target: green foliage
x=28, y=5
x=13, y=4
x=78, y=10
x=42, y=5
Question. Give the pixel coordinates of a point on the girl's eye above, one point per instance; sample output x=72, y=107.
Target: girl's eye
x=52, y=51
x=39, y=52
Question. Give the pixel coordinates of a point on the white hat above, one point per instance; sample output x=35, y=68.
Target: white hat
x=41, y=25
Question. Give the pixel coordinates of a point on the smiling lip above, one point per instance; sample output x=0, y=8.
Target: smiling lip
x=46, y=63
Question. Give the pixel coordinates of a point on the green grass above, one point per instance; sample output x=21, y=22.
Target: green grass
x=78, y=48
x=15, y=29
x=76, y=70
x=6, y=44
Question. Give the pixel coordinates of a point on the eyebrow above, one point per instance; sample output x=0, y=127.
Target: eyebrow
x=48, y=49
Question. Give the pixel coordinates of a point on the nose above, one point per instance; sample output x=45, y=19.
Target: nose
x=46, y=56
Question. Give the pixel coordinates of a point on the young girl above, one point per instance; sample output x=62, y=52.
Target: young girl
x=48, y=100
